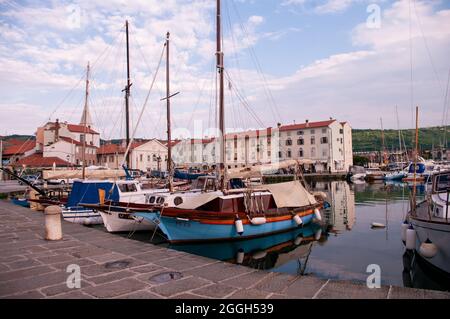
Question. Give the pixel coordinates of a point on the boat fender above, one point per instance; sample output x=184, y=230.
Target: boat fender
x=404, y=227
x=318, y=234
x=240, y=256
x=298, y=220
x=410, y=238
x=258, y=220
x=378, y=225
x=259, y=255
x=239, y=225
x=428, y=249
x=317, y=214
x=298, y=240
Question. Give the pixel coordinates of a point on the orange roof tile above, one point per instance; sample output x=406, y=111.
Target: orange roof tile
x=37, y=160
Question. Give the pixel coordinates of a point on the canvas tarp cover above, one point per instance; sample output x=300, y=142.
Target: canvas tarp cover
x=90, y=174
x=193, y=202
x=289, y=194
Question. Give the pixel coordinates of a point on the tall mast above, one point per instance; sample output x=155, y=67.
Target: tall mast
x=86, y=98
x=169, y=134
x=416, y=154
x=127, y=97
x=220, y=69
x=399, y=134
x=383, y=151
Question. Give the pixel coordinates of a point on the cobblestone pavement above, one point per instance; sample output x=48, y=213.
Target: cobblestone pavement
x=116, y=267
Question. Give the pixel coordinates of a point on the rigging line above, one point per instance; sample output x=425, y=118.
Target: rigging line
x=427, y=47
x=255, y=59
x=242, y=99
x=145, y=104
x=411, y=83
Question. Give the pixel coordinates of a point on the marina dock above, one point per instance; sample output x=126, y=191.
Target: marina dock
x=116, y=267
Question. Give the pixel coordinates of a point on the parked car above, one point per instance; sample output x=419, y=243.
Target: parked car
x=32, y=178
x=60, y=181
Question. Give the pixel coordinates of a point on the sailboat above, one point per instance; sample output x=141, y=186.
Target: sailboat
x=221, y=213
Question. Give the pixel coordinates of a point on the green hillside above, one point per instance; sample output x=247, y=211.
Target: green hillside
x=370, y=140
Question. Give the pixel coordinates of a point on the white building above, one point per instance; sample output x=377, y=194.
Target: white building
x=328, y=144
x=151, y=155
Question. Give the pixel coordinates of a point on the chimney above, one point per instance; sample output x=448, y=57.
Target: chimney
x=278, y=125
x=307, y=122
x=57, y=130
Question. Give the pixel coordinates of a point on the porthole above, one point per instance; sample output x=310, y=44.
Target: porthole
x=178, y=201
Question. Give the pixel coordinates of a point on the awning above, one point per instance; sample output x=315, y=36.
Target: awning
x=289, y=194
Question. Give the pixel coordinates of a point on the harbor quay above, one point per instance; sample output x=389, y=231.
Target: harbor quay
x=111, y=266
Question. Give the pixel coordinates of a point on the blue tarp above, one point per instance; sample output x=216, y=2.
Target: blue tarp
x=87, y=193
x=188, y=176
x=419, y=170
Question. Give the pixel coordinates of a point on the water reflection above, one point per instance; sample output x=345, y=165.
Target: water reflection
x=343, y=245
x=265, y=252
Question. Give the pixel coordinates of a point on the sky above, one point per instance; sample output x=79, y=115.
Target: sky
x=360, y=61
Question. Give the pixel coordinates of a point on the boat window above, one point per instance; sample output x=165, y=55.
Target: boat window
x=126, y=188
x=151, y=200
x=200, y=183
x=160, y=200
x=178, y=201
x=210, y=184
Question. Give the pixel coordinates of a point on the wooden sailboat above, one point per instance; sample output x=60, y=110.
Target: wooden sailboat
x=218, y=213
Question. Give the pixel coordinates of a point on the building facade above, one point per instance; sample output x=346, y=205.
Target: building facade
x=326, y=144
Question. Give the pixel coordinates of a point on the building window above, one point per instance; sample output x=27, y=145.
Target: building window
x=300, y=141
x=341, y=131
x=324, y=130
x=300, y=152
x=141, y=157
x=269, y=154
x=269, y=141
x=280, y=155
x=111, y=158
x=313, y=152
x=288, y=142
x=312, y=131
x=313, y=140
x=288, y=133
x=149, y=158
x=324, y=140
x=299, y=132
x=289, y=154
x=324, y=153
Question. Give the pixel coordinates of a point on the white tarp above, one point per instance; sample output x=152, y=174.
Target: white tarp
x=289, y=194
x=259, y=170
x=89, y=173
x=197, y=200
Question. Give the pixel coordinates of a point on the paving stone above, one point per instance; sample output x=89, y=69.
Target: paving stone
x=24, y=273
x=349, y=290
x=73, y=295
x=80, y=262
x=87, y=251
x=305, y=287
x=143, y=294
x=219, y=271
x=249, y=294
x=147, y=268
x=63, y=288
x=276, y=283
x=27, y=263
x=156, y=255
x=56, y=259
x=13, y=258
x=36, y=249
x=111, y=277
x=32, y=283
x=116, y=288
x=179, y=286
x=247, y=280
x=179, y=264
x=406, y=293
x=215, y=291
x=432, y=294
x=188, y=296
x=26, y=295
x=107, y=257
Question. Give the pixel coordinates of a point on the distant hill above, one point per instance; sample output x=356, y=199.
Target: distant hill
x=370, y=140
x=18, y=137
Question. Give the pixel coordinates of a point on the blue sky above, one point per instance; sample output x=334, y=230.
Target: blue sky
x=287, y=60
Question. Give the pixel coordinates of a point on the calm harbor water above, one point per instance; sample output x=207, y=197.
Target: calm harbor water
x=341, y=247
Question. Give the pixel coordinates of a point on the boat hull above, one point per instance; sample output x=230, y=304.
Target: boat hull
x=116, y=222
x=180, y=230
x=439, y=234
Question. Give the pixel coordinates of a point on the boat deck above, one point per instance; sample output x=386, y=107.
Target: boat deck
x=116, y=267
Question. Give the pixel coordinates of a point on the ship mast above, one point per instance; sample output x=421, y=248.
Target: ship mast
x=169, y=134
x=220, y=69
x=127, y=97
x=86, y=98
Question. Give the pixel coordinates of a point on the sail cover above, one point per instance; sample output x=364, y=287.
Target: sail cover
x=289, y=194
x=259, y=170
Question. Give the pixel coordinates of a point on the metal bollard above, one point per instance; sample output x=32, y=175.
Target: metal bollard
x=53, y=230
